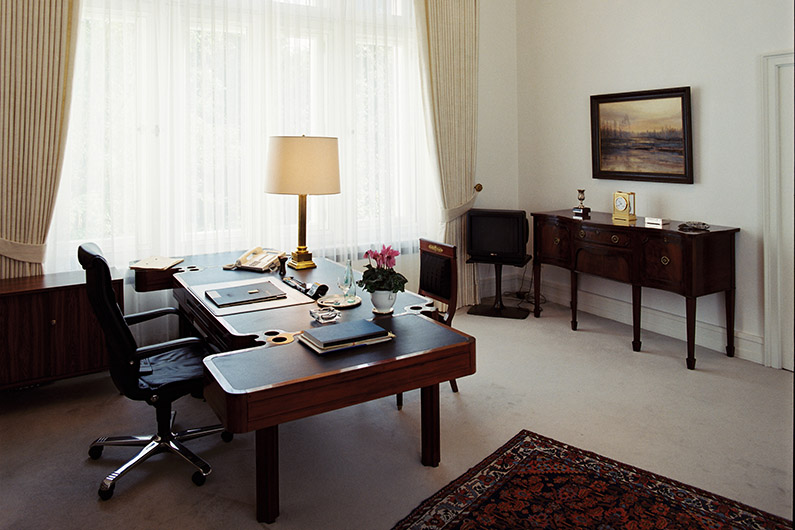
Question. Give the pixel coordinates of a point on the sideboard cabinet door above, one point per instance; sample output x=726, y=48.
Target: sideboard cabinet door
x=48, y=330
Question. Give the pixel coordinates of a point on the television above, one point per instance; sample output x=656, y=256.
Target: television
x=497, y=236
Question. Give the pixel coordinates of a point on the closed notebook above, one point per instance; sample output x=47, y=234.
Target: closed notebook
x=344, y=334
x=245, y=294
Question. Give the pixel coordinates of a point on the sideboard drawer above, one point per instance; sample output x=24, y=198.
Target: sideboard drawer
x=592, y=234
x=663, y=262
x=555, y=244
x=607, y=263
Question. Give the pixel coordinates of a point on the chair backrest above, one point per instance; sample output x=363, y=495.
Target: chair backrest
x=124, y=365
x=439, y=275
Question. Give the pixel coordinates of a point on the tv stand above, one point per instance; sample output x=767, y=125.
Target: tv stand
x=498, y=309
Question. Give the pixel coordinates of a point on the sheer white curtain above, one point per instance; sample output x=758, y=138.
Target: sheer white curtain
x=173, y=104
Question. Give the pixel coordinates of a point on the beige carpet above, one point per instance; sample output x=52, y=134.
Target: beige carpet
x=725, y=427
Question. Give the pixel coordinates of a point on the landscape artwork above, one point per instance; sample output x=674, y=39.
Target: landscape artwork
x=642, y=136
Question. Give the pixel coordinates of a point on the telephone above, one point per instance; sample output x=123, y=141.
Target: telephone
x=258, y=260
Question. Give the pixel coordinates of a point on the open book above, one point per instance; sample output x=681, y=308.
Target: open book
x=158, y=263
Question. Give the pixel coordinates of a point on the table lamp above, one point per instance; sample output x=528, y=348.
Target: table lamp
x=302, y=165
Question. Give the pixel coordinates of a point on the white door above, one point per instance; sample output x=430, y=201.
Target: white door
x=787, y=176
x=779, y=231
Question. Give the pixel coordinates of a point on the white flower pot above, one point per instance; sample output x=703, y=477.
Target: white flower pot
x=383, y=301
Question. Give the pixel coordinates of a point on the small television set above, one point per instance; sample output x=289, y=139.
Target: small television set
x=497, y=236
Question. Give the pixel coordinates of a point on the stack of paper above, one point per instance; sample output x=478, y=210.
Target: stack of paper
x=158, y=263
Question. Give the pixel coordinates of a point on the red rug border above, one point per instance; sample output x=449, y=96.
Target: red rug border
x=445, y=491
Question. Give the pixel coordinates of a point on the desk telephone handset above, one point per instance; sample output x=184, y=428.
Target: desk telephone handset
x=258, y=260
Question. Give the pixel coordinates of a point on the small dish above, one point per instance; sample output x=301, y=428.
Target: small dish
x=337, y=301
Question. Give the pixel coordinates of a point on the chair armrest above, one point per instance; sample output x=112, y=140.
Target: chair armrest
x=153, y=349
x=136, y=318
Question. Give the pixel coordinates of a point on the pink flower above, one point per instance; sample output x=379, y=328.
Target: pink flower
x=385, y=259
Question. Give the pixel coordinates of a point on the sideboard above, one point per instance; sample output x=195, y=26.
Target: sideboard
x=691, y=264
x=48, y=330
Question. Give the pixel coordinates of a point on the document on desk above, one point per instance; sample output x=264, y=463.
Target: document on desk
x=292, y=297
x=344, y=335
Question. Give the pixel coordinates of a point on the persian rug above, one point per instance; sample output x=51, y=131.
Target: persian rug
x=536, y=482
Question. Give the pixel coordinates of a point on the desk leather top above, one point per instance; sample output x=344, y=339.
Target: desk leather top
x=292, y=318
x=276, y=365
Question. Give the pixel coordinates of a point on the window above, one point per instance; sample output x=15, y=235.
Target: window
x=173, y=103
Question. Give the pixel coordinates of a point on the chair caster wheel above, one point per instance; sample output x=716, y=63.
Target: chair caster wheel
x=95, y=451
x=106, y=494
x=227, y=436
x=199, y=478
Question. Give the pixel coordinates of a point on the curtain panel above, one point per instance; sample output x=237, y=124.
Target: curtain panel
x=37, y=47
x=449, y=47
x=173, y=105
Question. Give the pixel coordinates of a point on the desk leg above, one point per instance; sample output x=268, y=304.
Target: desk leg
x=574, y=300
x=536, y=289
x=730, y=322
x=431, y=445
x=636, y=317
x=690, y=311
x=267, y=455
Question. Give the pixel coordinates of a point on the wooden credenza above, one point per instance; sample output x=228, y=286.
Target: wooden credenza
x=691, y=264
x=48, y=330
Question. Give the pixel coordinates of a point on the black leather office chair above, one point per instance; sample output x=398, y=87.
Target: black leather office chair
x=438, y=281
x=158, y=374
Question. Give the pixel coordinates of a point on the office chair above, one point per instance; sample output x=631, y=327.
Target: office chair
x=438, y=281
x=158, y=374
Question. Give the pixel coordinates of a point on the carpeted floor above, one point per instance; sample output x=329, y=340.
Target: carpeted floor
x=536, y=482
x=725, y=427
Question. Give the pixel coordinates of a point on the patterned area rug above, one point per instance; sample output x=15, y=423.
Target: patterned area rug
x=537, y=482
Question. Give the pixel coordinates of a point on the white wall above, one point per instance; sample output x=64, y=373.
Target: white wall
x=570, y=50
x=498, y=125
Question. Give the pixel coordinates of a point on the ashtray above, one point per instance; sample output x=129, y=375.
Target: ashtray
x=324, y=315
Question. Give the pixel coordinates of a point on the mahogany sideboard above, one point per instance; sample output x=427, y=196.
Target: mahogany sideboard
x=691, y=264
x=48, y=330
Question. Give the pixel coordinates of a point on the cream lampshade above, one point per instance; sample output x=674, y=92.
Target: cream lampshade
x=302, y=165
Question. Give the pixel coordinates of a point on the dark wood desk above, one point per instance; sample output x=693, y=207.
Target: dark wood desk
x=691, y=264
x=257, y=388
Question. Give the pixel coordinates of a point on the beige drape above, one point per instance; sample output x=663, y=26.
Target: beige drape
x=449, y=47
x=37, y=46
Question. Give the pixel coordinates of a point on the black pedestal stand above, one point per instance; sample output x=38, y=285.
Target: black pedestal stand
x=499, y=309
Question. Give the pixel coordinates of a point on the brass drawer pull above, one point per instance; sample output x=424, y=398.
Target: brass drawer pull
x=614, y=238
x=582, y=234
x=556, y=241
x=664, y=260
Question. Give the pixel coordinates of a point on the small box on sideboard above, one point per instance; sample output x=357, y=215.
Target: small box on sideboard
x=656, y=222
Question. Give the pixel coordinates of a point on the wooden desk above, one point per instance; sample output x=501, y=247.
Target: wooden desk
x=691, y=264
x=256, y=389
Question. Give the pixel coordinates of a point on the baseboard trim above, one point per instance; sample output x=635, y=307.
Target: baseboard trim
x=746, y=346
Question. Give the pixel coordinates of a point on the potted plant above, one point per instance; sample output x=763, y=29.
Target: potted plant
x=382, y=281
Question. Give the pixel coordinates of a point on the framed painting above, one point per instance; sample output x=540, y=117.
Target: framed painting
x=643, y=136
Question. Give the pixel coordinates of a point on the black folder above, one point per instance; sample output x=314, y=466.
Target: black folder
x=245, y=294
x=334, y=337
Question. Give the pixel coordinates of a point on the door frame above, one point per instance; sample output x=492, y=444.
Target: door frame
x=772, y=65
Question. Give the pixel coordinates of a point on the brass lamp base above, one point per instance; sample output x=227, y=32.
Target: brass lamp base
x=301, y=259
